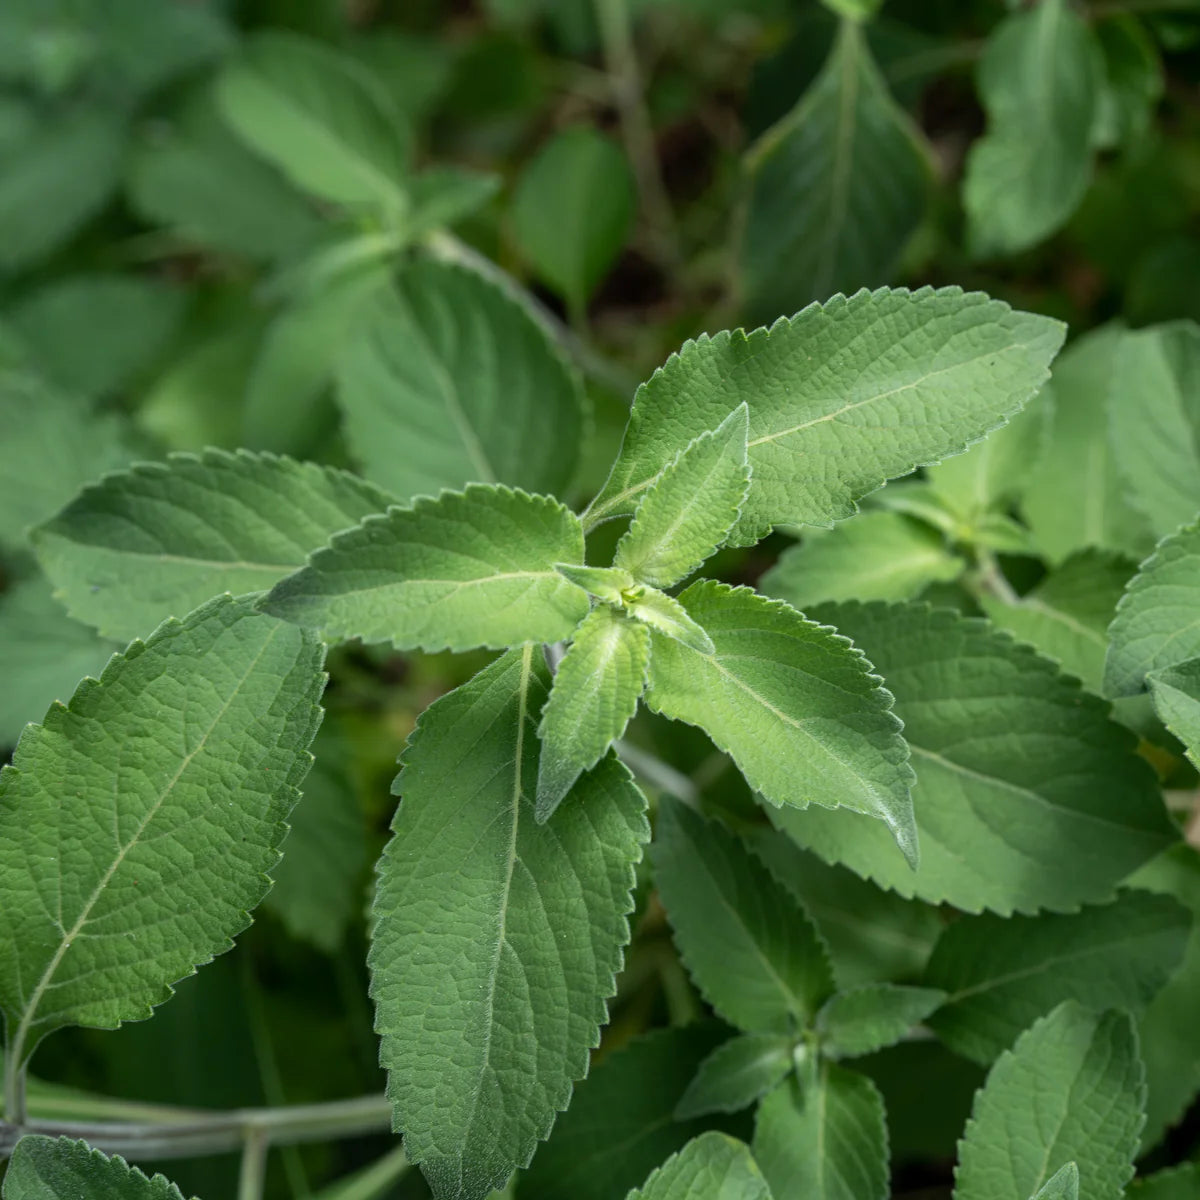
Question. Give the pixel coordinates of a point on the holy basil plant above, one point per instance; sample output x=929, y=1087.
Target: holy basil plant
x=918, y=746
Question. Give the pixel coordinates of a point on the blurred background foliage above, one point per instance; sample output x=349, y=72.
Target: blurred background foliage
x=200, y=204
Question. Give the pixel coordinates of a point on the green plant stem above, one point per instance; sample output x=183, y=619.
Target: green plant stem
x=253, y=1173
x=371, y=1181
x=657, y=773
x=186, y=1133
x=991, y=579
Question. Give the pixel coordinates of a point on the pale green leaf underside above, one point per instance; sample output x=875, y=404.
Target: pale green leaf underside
x=1063, y=1185
x=1039, y=82
x=471, y=568
x=1070, y=1090
x=319, y=118
x=712, y=1167
x=687, y=512
x=864, y=1019
x=1002, y=974
x=138, y=824
x=445, y=382
x=877, y=556
x=158, y=539
x=842, y=397
x=747, y=943
x=1176, y=692
x=825, y=1138
x=665, y=614
x=795, y=705
x=736, y=1074
x=595, y=692
x=497, y=939
x=1028, y=796
x=837, y=187
x=1158, y=620
x=605, y=583
x=44, y=1168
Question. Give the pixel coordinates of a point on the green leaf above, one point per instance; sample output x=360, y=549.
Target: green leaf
x=748, y=945
x=1133, y=83
x=321, y=119
x=94, y=334
x=667, y=616
x=864, y=1019
x=736, y=1074
x=868, y=387
x=444, y=383
x=158, y=539
x=1175, y=1183
x=687, y=512
x=837, y=187
x=1067, y=615
x=1075, y=498
x=1001, y=974
x=1155, y=422
x=160, y=797
x=44, y=1168
x=43, y=655
x=444, y=195
x=1156, y=624
x=795, y=705
x=609, y=584
x=1063, y=1185
x=620, y=1125
x=595, y=693
x=712, y=1167
x=1039, y=81
x=59, y=173
x=471, y=568
x=1176, y=692
x=1070, y=1090
x=572, y=211
x=1028, y=796
x=53, y=443
x=195, y=178
x=497, y=939
x=877, y=556
x=824, y=1138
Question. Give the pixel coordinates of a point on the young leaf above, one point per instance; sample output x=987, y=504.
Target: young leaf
x=794, y=704
x=572, y=211
x=687, y=513
x=605, y=583
x=1070, y=1090
x=1063, y=1185
x=869, y=387
x=158, y=539
x=319, y=117
x=1000, y=975
x=1154, y=422
x=748, y=945
x=712, y=1167
x=1039, y=81
x=864, y=1019
x=496, y=938
x=837, y=187
x=736, y=1074
x=824, y=1138
x=1155, y=625
x=620, y=1126
x=44, y=1168
x=877, y=556
x=1075, y=498
x=158, y=799
x=472, y=568
x=1176, y=692
x=445, y=382
x=595, y=693
x=667, y=616
x=1013, y=763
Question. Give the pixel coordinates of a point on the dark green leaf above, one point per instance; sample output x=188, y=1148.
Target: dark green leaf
x=713, y=1167
x=864, y=1019
x=736, y=1074
x=44, y=1168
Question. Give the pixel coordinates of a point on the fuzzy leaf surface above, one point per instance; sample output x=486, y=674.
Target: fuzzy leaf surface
x=1070, y=1090
x=864, y=1019
x=1013, y=761
x=868, y=387
x=824, y=1138
x=446, y=379
x=1176, y=692
x=749, y=946
x=796, y=706
x=688, y=511
x=158, y=539
x=736, y=1074
x=471, y=568
x=44, y=1168
x=138, y=823
x=665, y=614
x=497, y=939
x=1062, y=1185
x=595, y=693
x=837, y=187
x=712, y=1167
x=999, y=975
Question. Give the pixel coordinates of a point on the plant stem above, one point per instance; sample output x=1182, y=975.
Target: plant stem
x=992, y=579
x=656, y=772
x=371, y=1181
x=253, y=1173
x=14, y=1083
